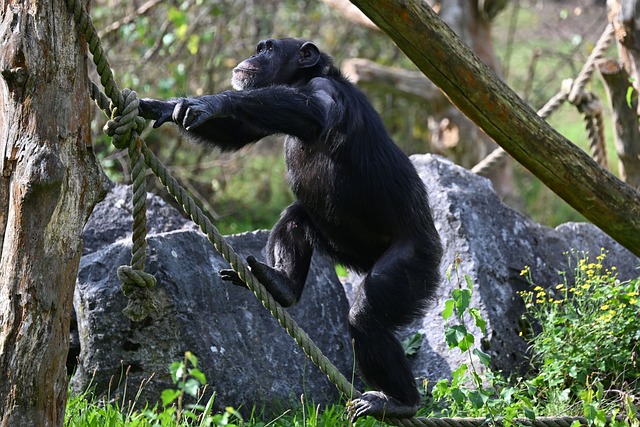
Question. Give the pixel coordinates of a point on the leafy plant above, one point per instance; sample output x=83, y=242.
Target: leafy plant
x=471, y=392
x=588, y=345
x=590, y=330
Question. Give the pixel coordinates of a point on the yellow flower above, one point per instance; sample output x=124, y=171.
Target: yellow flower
x=633, y=301
x=525, y=270
x=585, y=286
x=560, y=286
x=538, y=288
x=604, y=307
x=604, y=318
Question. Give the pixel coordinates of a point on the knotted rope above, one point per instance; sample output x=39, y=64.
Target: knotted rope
x=124, y=126
x=586, y=102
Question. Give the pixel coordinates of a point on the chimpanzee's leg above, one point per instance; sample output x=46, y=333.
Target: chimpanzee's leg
x=289, y=251
x=392, y=294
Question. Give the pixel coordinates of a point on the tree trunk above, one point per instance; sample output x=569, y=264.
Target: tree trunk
x=478, y=92
x=624, y=14
x=50, y=182
x=625, y=120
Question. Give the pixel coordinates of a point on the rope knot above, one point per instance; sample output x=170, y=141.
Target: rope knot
x=136, y=286
x=588, y=104
x=122, y=125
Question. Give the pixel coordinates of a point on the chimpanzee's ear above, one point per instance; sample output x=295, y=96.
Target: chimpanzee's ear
x=309, y=55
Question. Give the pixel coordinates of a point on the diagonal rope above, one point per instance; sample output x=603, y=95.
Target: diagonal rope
x=123, y=128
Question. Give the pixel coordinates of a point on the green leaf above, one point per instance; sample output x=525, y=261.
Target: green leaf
x=458, y=395
x=601, y=418
x=198, y=375
x=448, y=272
x=477, y=399
x=448, y=309
x=192, y=358
x=191, y=387
x=462, y=298
x=412, y=344
x=176, y=369
x=479, y=321
x=590, y=412
x=169, y=395
x=466, y=343
x=467, y=279
x=530, y=413
x=457, y=376
x=485, y=359
x=454, y=335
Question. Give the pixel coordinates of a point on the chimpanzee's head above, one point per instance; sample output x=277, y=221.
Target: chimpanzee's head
x=280, y=61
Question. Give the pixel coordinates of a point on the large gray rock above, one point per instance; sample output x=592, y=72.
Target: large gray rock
x=494, y=243
x=247, y=356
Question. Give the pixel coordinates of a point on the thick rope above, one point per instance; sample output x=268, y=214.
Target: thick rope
x=591, y=108
x=124, y=127
x=574, y=94
x=214, y=236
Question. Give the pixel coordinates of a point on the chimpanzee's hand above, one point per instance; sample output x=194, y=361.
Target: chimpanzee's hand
x=154, y=109
x=192, y=112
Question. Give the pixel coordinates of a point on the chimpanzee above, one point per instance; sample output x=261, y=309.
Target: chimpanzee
x=359, y=200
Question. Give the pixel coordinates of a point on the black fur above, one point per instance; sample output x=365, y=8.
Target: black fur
x=359, y=200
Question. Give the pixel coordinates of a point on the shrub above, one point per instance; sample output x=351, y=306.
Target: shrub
x=589, y=329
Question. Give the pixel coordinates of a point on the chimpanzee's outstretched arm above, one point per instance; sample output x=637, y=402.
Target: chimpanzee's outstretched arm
x=226, y=133
x=300, y=112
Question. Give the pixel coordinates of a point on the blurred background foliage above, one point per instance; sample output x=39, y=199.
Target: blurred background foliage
x=165, y=49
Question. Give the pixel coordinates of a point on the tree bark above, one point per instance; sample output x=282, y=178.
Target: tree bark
x=625, y=120
x=49, y=184
x=478, y=92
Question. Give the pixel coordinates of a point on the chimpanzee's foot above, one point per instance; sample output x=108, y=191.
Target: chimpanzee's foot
x=276, y=282
x=379, y=405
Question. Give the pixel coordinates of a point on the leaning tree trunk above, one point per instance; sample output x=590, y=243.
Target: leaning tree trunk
x=50, y=182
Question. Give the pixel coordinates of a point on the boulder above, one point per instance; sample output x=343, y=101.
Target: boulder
x=246, y=355
x=494, y=243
